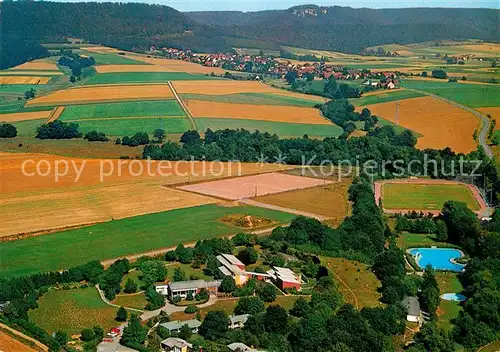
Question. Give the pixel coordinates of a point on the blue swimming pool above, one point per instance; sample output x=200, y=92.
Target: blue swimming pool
x=438, y=258
x=457, y=297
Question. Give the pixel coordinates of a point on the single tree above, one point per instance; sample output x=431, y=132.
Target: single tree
x=228, y=284
x=121, y=314
x=130, y=286
x=215, y=325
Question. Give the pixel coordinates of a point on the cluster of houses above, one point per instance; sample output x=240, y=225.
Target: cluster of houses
x=275, y=66
x=175, y=344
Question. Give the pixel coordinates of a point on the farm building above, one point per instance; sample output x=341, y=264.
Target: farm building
x=184, y=288
x=232, y=266
x=284, y=278
x=237, y=321
x=175, y=326
x=175, y=344
x=413, y=309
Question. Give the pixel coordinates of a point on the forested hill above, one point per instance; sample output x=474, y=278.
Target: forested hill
x=350, y=30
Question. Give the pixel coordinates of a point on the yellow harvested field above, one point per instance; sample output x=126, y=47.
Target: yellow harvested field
x=178, y=65
x=37, y=65
x=494, y=113
x=274, y=113
x=492, y=48
x=234, y=87
x=382, y=91
x=10, y=344
x=101, y=49
x=24, y=80
x=30, y=73
x=131, y=68
x=55, y=113
x=74, y=200
x=441, y=124
x=23, y=116
x=104, y=93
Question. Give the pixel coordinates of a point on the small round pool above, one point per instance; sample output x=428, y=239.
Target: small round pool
x=437, y=258
x=457, y=297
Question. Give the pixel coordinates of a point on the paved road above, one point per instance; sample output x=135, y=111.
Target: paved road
x=485, y=121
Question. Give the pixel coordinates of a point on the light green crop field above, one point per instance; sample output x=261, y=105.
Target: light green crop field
x=279, y=128
x=425, y=197
x=472, y=95
x=129, y=126
x=253, y=98
x=111, y=59
x=28, y=127
x=385, y=97
x=72, y=311
x=122, y=237
x=18, y=107
x=144, y=77
x=159, y=108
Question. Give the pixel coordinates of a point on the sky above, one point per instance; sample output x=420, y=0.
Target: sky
x=257, y=5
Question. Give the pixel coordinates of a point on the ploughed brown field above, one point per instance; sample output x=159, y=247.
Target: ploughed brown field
x=104, y=94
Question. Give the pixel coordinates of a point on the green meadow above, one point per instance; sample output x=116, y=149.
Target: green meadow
x=129, y=126
x=253, y=98
x=143, y=77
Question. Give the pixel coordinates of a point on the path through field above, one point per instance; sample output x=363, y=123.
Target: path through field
x=183, y=106
x=283, y=209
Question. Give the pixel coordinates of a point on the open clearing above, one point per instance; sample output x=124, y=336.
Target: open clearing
x=426, y=195
x=291, y=114
x=329, y=200
x=84, y=95
x=72, y=311
x=160, y=108
x=223, y=87
x=113, y=239
x=10, y=344
x=282, y=129
x=253, y=186
x=22, y=116
x=440, y=124
x=24, y=80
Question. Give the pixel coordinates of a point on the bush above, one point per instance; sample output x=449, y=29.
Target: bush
x=87, y=335
x=189, y=296
x=94, y=136
x=439, y=74
x=7, y=130
x=228, y=284
x=190, y=309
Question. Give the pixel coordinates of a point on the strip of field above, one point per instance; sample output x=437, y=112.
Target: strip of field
x=384, y=97
x=161, y=108
x=105, y=58
x=282, y=129
x=10, y=344
x=426, y=195
x=441, y=124
x=30, y=73
x=128, y=125
x=494, y=113
x=179, y=65
x=85, y=95
x=329, y=200
x=143, y=77
x=23, y=116
x=253, y=186
x=224, y=87
x=24, y=80
x=290, y=114
x=37, y=65
x=252, y=98
x=131, y=68
x=121, y=237
x=472, y=95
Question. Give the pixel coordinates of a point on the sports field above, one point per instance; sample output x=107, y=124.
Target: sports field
x=72, y=311
x=441, y=124
x=282, y=129
x=290, y=114
x=143, y=77
x=121, y=237
x=425, y=196
x=84, y=95
x=160, y=108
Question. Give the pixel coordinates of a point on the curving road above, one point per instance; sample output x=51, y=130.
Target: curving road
x=485, y=121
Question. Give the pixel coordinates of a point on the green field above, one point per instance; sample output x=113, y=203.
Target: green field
x=472, y=95
x=18, y=88
x=425, y=197
x=129, y=126
x=111, y=59
x=19, y=107
x=282, y=129
x=385, y=97
x=73, y=310
x=411, y=240
x=121, y=237
x=252, y=98
x=160, y=108
x=146, y=77
x=27, y=128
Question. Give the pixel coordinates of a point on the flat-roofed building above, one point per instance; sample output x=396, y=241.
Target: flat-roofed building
x=232, y=266
x=175, y=344
x=184, y=288
x=237, y=321
x=175, y=326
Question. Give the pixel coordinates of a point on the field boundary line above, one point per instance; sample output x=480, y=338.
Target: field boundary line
x=283, y=209
x=183, y=106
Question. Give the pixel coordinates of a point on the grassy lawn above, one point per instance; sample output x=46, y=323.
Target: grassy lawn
x=72, y=311
x=137, y=301
x=122, y=109
x=134, y=275
x=279, y=128
x=448, y=310
x=121, y=237
x=425, y=197
x=385, y=97
x=136, y=77
x=129, y=126
x=253, y=98
x=357, y=282
x=188, y=272
x=411, y=240
x=472, y=95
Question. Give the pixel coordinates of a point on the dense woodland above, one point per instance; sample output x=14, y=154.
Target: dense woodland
x=133, y=26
